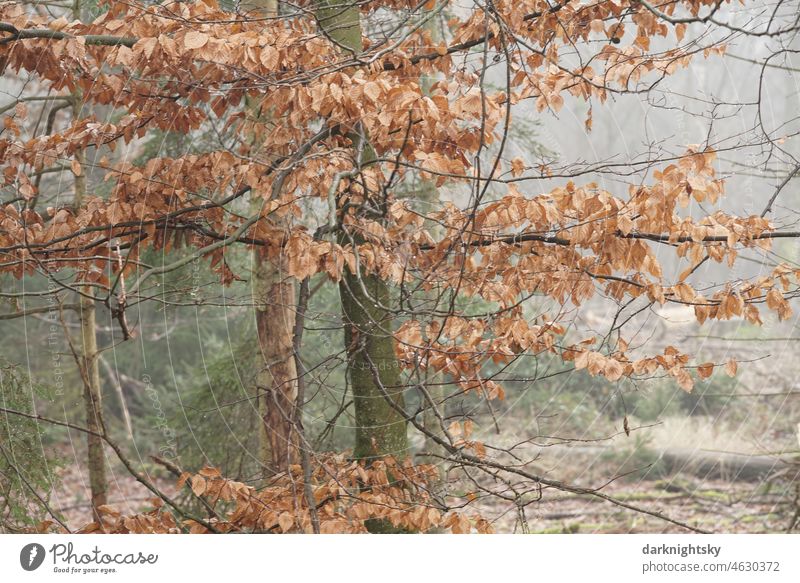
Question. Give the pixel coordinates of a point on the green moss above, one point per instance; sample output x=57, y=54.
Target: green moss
x=373, y=368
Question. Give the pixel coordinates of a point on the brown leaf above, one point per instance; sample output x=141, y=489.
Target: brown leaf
x=269, y=57
x=517, y=167
x=210, y=472
x=372, y=90
x=198, y=485
x=195, y=40
x=106, y=509
x=685, y=380
x=286, y=521
x=705, y=370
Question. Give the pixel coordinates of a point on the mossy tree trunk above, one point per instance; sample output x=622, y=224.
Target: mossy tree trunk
x=373, y=366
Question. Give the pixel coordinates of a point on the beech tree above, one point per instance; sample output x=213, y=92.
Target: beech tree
x=334, y=124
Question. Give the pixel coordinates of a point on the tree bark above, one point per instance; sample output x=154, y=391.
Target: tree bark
x=88, y=362
x=276, y=379
x=373, y=366
x=90, y=374
x=275, y=298
x=93, y=402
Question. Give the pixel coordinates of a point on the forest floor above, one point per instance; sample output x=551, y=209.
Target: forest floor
x=718, y=507
x=125, y=494
x=688, y=478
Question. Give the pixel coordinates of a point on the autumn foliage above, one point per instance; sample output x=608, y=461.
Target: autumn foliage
x=316, y=141
x=347, y=494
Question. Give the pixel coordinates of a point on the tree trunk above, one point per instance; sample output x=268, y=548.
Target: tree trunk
x=90, y=374
x=374, y=369
x=276, y=379
x=93, y=401
x=275, y=297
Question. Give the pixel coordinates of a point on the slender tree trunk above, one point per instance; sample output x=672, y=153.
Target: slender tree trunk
x=90, y=373
x=89, y=365
x=88, y=359
x=374, y=369
x=93, y=401
x=275, y=297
